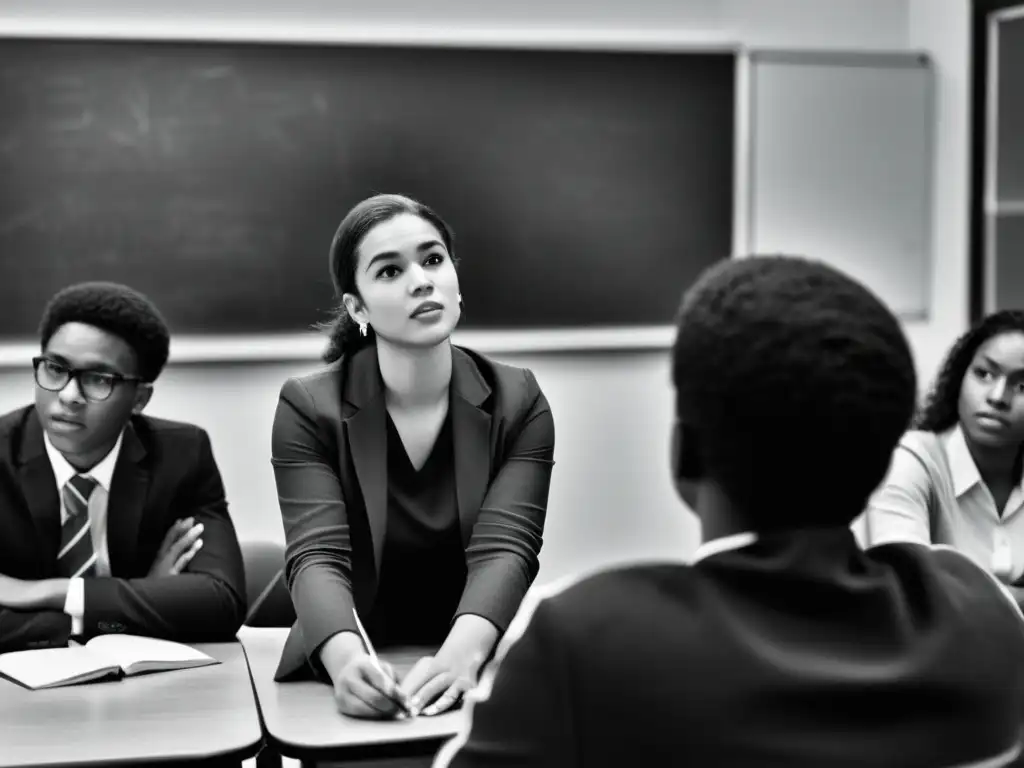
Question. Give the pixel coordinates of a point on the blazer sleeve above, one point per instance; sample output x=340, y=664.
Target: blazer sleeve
x=318, y=553
x=504, y=547
x=24, y=630
x=204, y=604
x=521, y=712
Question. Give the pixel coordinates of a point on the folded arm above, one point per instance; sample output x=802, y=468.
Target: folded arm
x=31, y=614
x=206, y=603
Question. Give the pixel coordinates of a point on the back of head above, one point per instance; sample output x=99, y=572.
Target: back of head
x=117, y=309
x=796, y=383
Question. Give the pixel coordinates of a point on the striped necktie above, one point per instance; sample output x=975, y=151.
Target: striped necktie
x=76, y=557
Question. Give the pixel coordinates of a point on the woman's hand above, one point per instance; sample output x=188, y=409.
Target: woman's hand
x=363, y=690
x=436, y=683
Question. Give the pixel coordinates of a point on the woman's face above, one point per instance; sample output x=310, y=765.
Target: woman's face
x=408, y=284
x=991, y=406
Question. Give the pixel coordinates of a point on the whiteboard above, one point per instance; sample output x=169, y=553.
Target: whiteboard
x=839, y=166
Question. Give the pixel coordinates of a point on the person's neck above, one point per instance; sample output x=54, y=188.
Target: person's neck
x=996, y=465
x=415, y=377
x=84, y=463
x=718, y=515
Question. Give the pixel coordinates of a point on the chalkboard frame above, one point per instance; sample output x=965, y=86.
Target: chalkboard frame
x=288, y=347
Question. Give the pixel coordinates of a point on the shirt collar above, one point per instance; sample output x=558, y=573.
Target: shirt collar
x=962, y=469
x=724, y=544
x=102, y=472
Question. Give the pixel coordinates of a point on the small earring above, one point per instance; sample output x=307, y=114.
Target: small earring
x=460, y=298
x=362, y=329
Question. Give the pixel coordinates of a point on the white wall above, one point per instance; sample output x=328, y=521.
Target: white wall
x=611, y=497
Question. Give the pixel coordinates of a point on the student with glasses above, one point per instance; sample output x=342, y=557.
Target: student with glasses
x=110, y=521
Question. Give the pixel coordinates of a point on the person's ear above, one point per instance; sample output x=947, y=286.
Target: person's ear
x=355, y=308
x=143, y=392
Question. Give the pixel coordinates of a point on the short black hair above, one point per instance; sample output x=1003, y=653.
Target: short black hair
x=941, y=409
x=115, y=308
x=797, y=383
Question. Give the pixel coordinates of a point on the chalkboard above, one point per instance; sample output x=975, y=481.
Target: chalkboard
x=585, y=188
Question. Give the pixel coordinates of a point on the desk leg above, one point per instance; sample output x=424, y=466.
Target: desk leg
x=388, y=762
x=268, y=757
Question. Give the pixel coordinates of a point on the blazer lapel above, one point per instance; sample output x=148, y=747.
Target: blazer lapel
x=125, y=504
x=470, y=432
x=367, y=439
x=39, y=486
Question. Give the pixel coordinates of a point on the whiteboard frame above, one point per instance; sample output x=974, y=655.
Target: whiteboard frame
x=849, y=58
x=991, y=205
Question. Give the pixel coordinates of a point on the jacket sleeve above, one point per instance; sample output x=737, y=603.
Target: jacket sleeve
x=24, y=630
x=318, y=555
x=204, y=604
x=504, y=547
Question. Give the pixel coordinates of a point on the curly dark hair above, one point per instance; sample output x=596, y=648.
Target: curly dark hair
x=941, y=406
x=797, y=383
x=115, y=308
x=342, y=331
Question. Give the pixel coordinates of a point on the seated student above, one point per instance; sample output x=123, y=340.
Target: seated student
x=412, y=474
x=957, y=478
x=784, y=644
x=110, y=521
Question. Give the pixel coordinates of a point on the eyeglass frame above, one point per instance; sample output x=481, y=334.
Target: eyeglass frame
x=75, y=373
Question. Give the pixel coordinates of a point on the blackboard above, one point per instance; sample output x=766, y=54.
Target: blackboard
x=585, y=188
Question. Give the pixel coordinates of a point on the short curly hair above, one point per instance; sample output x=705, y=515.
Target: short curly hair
x=797, y=383
x=117, y=309
x=941, y=409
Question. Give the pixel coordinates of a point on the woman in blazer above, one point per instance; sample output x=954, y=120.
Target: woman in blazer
x=412, y=474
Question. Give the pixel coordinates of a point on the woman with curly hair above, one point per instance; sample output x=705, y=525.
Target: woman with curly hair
x=956, y=478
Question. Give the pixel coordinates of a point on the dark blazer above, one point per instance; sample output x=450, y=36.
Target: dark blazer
x=330, y=463
x=797, y=650
x=165, y=471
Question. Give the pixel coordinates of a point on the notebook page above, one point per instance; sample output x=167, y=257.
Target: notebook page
x=132, y=650
x=49, y=666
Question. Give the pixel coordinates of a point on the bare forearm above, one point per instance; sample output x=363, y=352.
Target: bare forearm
x=471, y=637
x=338, y=651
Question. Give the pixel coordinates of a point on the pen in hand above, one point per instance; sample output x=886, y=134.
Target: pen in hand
x=397, y=696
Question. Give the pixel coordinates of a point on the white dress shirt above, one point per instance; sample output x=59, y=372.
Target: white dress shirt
x=934, y=494
x=102, y=473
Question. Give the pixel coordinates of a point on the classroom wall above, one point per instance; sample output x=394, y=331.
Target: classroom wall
x=611, y=497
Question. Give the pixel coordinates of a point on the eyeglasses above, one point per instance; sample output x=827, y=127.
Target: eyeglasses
x=95, y=386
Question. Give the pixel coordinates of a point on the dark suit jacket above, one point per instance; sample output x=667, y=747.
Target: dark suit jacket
x=165, y=471
x=330, y=463
x=797, y=650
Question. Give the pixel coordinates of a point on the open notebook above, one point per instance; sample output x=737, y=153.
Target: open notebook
x=103, y=656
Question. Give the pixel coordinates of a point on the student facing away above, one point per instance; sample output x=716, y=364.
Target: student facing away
x=957, y=478
x=110, y=521
x=783, y=644
x=412, y=474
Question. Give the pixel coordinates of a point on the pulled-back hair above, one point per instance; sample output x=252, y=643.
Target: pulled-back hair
x=342, y=331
